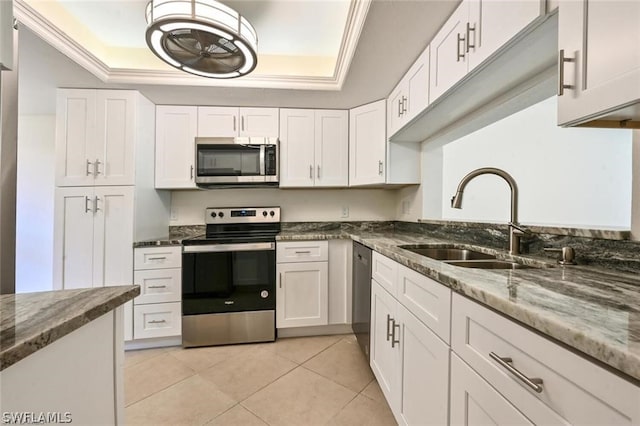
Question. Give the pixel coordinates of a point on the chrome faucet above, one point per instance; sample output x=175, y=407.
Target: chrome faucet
x=515, y=230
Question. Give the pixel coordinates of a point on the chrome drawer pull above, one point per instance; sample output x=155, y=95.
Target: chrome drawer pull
x=157, y=321
x=389, y=319
x=533, y=383
x=303, y=252
x=394, y=342
x=157, y=258
x=157, y=286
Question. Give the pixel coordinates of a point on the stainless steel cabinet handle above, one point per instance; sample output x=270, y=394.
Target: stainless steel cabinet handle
x=234, y=123
x=157, y=258
x=157, y=286
x=96, y=167
x=389, y=319
x=95, y=204
x=280, y=279
x=399, y=107
x=561, y=61
x=191, y=174
x=310, y=171
x=460, y=55
x=505, y=362
x=404, y=105
x=86, y=205
x=89, y=163
x=242, y=118
x=380, y=171
x=157, y=321
x=318, y=171
x=469, y=29
x=303, y=252
x=394, y=341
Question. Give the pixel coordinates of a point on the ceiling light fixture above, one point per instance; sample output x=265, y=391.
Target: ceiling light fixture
x=201, y=37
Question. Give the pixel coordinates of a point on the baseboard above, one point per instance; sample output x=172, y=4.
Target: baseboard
x=159, y=342
x=320, y=330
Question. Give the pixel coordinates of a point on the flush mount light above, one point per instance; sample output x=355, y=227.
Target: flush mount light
x=201, y=37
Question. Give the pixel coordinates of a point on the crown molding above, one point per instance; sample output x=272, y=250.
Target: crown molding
x=42, y=27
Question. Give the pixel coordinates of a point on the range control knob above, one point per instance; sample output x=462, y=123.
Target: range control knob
x=272, y=213
x=220, y=214
x=264, y=213
x=213, y=215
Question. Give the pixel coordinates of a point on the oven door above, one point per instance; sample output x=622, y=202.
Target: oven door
x=222, y=278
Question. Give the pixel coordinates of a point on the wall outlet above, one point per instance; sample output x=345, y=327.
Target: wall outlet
x=173, y=215
x=345, y=211
x=406, y=207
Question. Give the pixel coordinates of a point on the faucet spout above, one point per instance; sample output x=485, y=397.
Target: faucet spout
x=515, y=231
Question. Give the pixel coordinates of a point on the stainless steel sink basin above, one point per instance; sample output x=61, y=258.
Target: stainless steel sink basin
x=447, y=253
x=489, y=264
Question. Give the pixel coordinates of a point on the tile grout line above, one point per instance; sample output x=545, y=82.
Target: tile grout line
x=161, y=390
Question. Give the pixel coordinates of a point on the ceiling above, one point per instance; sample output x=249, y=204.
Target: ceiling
x=393, y=34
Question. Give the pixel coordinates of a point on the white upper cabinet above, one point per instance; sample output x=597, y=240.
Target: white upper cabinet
x=599, y=77
x=411, y=95
x=474, y=32
x=313, y=148
x=6, y=35
x=233, y=121
x=373, y=160
x=95, y=137
x=176, y=128
x=367, y=144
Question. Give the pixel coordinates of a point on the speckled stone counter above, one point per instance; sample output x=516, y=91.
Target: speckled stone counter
x=31, y=321
x=594, y=311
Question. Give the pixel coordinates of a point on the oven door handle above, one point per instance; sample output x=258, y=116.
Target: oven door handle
x=214, y=248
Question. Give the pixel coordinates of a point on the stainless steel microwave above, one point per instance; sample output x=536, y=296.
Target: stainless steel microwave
x=236, y=161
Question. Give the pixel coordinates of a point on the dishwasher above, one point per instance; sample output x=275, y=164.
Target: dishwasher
x=361, y=296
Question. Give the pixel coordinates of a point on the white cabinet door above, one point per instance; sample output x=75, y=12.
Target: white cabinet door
x=448, y=62
x=217, y=121
x=75, y=137
x=175, y=146
x=424, y=377
x=297, y=138
x=332, y=148
x=367, y=144
x=397, y=103
x=602, y=38
x=302, y=294
x=418, y=85
x=492, y=23
x=259, y=122
x=115, y=136
x=475, y=402
x=385, y=357
x=128, y=320
x=113, y=236
x=73, y=238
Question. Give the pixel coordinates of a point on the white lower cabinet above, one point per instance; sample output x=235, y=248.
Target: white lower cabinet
x=475, y=402
x=409, y=361
x=157, y=310
x=302, y=296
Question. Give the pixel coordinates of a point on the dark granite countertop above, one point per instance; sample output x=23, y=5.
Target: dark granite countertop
x=594, y=311
x=31, y=321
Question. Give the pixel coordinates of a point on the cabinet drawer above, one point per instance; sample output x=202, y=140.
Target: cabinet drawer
x=427, y=299
x=158, y=285
x=384, y=271
x=157, y=320
x=574, y=390
x=302, y=251
x=157, y=257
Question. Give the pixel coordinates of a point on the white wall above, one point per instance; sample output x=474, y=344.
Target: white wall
x=566, y=177
x=298, y=205
x=34, y=204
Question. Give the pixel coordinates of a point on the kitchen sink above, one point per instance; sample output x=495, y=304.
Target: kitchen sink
x=447, y=253
x=464, y=258
x=489, y=264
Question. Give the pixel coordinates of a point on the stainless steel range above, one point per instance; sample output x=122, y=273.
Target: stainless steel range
x=229, y=278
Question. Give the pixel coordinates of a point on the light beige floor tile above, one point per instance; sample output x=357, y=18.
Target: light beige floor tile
x=237, y=416
x=364, y=411
x=374, y=392
x=152, y=375
x=136, y=357
x=344, y=364
x=193, y=401
x=199, y=359
x=244, y=374
x=301, y=397
x=300, y=349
